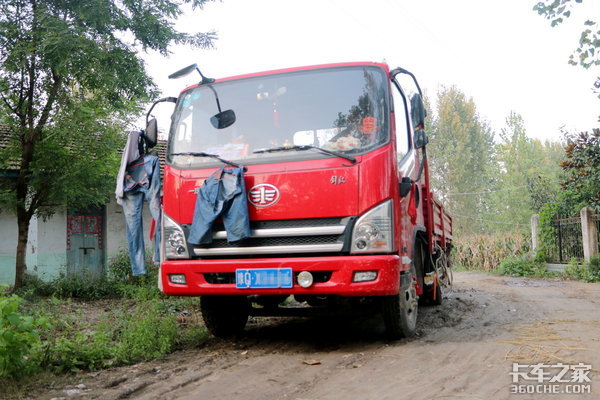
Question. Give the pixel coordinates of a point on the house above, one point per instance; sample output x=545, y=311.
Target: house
x=69, y=242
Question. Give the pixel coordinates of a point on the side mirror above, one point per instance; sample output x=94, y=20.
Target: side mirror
x=417, y=111
x=151, y=133
x=405, y=186
x=420, y=139
x=223, y=119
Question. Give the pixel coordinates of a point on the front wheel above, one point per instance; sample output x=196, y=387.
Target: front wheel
x=400, y=310
x=225, y=316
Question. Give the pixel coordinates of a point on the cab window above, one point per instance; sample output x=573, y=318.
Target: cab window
x=402, y=126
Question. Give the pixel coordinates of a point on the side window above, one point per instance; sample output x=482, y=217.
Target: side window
x=402, y=126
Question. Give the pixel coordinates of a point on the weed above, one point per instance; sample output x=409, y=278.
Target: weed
x=589, y=272
x=523, y=266
x=145, y=334
x=19, y=338
x=594, y=268
x=486, y=252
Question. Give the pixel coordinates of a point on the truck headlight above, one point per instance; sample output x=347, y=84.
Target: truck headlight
x=374, y=231
x=174, y=239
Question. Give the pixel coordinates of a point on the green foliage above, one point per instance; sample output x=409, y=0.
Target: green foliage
x=148, y=333
x=70, y=80
x=19, y=338
x=588, y=272
x=461, y=158
x=557, y=11
x=485, y=252
x=126, y=334
x=117, y=283
x=522, y=266
x=583, y=167
x=119, y=267
x=528, y=176
x=488, y=187
x=144, y=325
x=580, y=187
x=74, y=351
x=123, y=336
x=594, y=267
x=78, y=287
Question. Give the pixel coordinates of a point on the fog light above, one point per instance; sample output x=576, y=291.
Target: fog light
x=178, y=279
x=364, y=276
x=361, y=243
x=305, y=279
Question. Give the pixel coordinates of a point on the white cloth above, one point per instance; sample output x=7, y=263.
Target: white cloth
x=131, y=153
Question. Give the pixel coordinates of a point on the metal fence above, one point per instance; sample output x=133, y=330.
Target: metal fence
x=568, y=242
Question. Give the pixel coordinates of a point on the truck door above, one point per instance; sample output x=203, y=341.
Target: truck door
x=406, y=159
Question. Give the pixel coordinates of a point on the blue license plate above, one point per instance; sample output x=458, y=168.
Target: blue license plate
x=264, y=278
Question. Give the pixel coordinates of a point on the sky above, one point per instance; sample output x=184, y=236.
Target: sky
x=501, y=53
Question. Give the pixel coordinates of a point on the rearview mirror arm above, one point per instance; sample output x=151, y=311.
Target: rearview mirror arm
x=164, y=99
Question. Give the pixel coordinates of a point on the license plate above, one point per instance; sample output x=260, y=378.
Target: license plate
x=264, y=278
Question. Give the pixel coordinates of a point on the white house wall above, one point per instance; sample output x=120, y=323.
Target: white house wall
x=47, y=246
x=51, y=235
x=8, y=247
x=115, y=238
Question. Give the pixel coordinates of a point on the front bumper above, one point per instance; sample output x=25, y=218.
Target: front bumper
x=340, y=271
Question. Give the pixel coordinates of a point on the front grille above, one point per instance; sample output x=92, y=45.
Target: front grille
x=282, y=238
x=287, y=223
x=275, y=241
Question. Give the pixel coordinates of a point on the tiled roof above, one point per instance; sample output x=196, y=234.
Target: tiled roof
x=4, y=142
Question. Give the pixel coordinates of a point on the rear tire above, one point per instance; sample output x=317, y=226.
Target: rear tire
x=225, y=316
x=400, y=310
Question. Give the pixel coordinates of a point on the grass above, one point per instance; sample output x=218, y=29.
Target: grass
x=84, y=324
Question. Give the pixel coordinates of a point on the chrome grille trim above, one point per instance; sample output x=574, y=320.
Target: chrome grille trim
x=284, y=232
x=313, y=248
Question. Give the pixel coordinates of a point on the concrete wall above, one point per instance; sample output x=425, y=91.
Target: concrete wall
x=8, y=248
x=115, y=238
x=47, y=246
x=51, y=261
x=46, y=249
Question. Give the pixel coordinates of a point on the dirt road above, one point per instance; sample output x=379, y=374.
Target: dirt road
x=465, y=350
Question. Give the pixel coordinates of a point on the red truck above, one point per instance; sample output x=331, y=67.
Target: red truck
x=338, y=194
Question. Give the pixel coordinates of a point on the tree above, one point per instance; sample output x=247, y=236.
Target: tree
x=587, y=54
x=70, y=78
x=583, y=167
x=461, y=158
x=528, y=174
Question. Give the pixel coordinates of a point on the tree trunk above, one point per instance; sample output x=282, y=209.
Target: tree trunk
x=23, y=223
x=23, y=213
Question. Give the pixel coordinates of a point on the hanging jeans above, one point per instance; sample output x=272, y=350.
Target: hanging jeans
x=142, y=182
x=222, y=195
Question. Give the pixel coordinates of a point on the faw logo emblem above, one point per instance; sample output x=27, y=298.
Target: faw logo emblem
x=263, y=195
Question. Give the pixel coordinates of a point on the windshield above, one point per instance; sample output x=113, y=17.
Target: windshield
x=339, y=109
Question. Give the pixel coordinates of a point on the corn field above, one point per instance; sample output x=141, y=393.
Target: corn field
x=485, y=252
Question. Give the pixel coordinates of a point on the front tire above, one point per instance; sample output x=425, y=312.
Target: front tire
x=225, y=316
x=400, y=310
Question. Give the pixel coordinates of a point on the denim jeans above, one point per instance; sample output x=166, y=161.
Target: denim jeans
x=222, y=195
x=142, y=182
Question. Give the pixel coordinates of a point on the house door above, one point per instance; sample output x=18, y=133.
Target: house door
x=84, y=242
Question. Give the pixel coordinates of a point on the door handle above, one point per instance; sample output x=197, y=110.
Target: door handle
x=85, y=249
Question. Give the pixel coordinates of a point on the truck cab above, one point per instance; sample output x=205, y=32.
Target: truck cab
x=336, y=186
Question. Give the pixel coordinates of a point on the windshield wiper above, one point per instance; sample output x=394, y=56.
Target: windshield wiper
x=215, y=156
x=307, y=147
